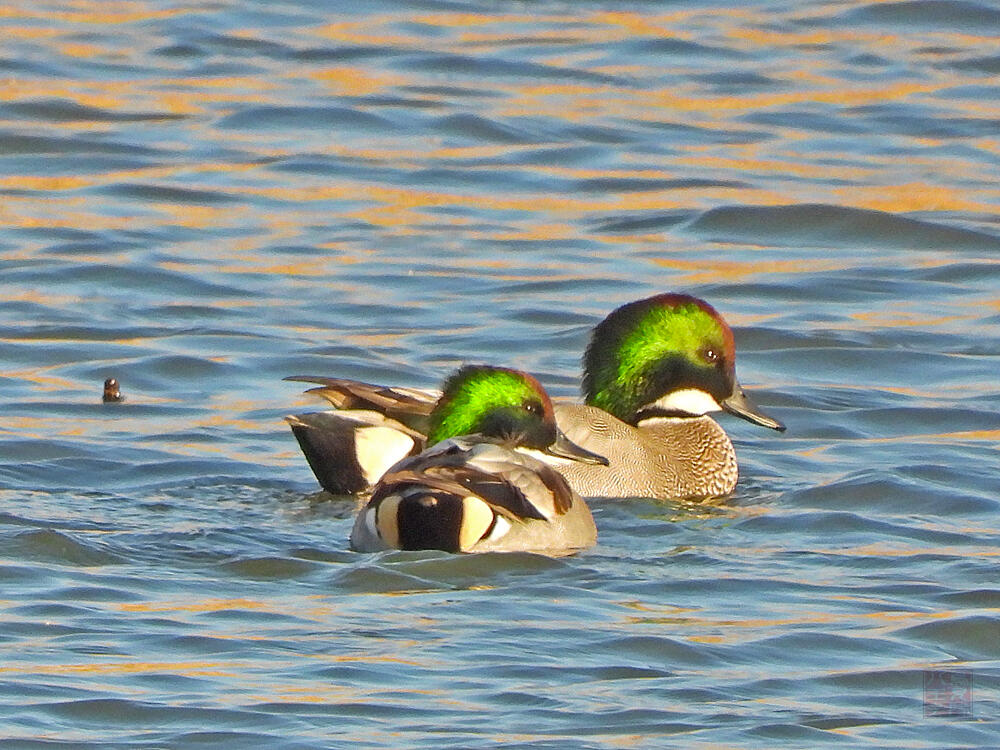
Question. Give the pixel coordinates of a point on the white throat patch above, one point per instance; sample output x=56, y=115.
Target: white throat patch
x=545, y=458
x=692, y=401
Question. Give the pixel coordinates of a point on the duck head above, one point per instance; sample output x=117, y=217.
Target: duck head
x=505, y=405
x=671, y=355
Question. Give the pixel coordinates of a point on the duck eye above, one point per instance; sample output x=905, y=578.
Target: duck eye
x=533, y=407
x=711, y=355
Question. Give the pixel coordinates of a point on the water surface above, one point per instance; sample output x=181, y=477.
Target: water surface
x=202, y=199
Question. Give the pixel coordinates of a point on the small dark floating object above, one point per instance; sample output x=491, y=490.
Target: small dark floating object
x=112, y=393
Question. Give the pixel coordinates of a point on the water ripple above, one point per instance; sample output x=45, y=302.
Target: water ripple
x=200, y=201
x=934, y=13
x=835, y=226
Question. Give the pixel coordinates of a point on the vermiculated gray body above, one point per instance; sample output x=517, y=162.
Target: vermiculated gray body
x=684, y=457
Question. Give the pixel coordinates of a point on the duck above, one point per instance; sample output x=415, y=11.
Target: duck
x=112, y=392
x=481, y=484
x=655, y=370
x=653, y=373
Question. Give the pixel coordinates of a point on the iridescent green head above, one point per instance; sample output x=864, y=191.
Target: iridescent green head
x=501, y=404
x=668, y=355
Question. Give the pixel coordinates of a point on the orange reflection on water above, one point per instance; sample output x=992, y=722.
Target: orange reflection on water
x=918, y=196
x=705, y=629
x=914, y=439
x=205, y=605
x=11, y=31
x=368, y=32
x=29, y=182
x=347, y=81
x=39, y=376
x=704, y=271
x=989, y=436
x=748, y=163
x=901, y=319
x=804, y=79
x=204, y=668
x=93, y=12
x=78, y=49
x=768, y=37
x=657, y=25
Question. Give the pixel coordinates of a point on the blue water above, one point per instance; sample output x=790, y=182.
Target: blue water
x=202, y=199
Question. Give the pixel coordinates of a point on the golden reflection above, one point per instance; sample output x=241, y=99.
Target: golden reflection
x=990, y=436
x=918, y=196
x=33, y=33
x=78, y=49
x=176, y=103
x=104, y=96
x=464, y=21
x=900, y=319
x=47, y=297
x=223, y=88
x=305, y=268
x=704, y=271
x=769, y=38
x=206, y=605
x=200, y=215
x=224, y=415
x=793, y=165
x=367, y=32
x=538, y=232
x=633, y=24
x=38, y=375
x=203, y=668
x=142, y=174
x=728, y=630
x=882, y=550
x=65, y=219
x=333, y=693
x=554, y=215
x=651, y=105
x=960, y=436
x=27, y=182
x=95, y=13
x=358, y=81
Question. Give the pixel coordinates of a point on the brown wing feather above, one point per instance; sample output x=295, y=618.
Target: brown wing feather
x=400, y=404
x=447, y=473
x=562, y=494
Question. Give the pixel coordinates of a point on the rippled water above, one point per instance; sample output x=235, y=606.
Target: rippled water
x=200, y=199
